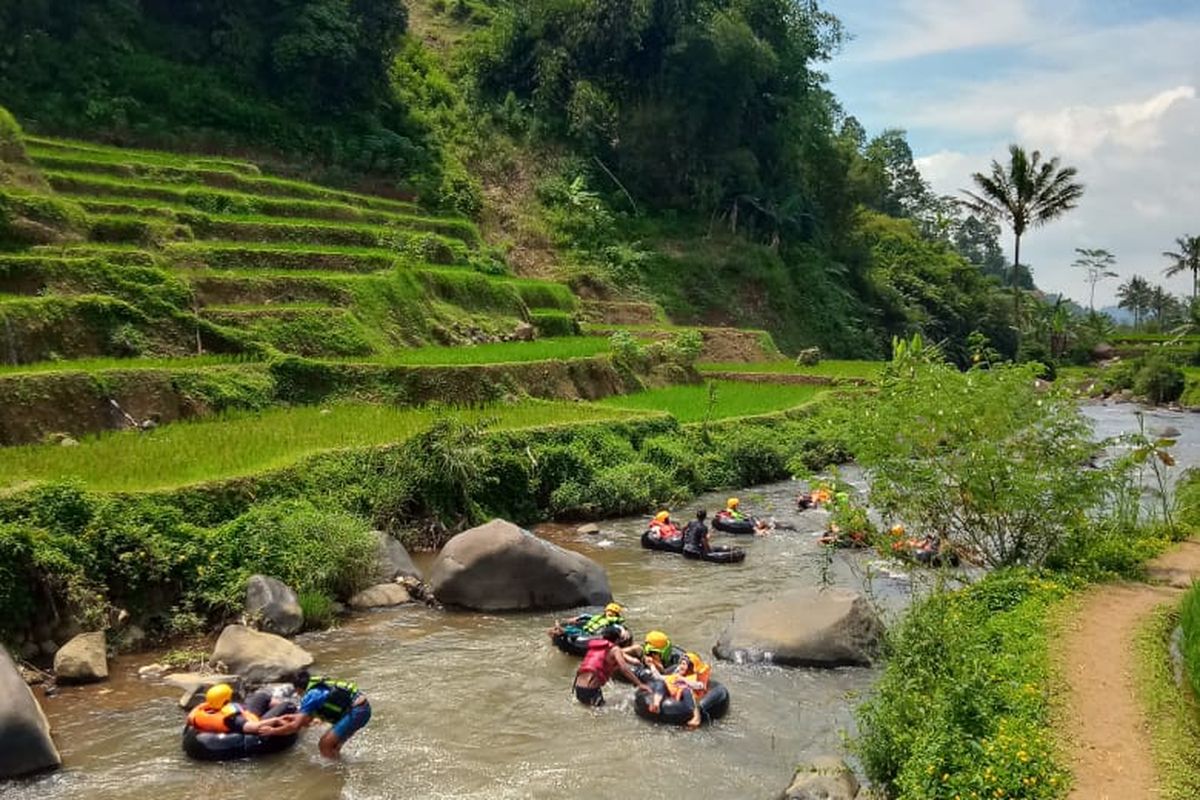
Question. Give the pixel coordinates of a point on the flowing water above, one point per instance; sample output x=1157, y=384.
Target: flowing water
x=478, y=706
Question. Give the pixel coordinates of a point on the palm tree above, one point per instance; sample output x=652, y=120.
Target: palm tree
x=1135, y=295
x=1187, y=259
x=1027, y=193
x=1164, y=305
x=1098, y=264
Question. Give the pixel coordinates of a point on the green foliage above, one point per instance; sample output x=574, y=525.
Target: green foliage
x=962, y=709
x=1158, y=380
x=318, y=610
x=554, y=323
x=1189, y=621
x=689, y=403
x=1170, y=709
x=981, y=458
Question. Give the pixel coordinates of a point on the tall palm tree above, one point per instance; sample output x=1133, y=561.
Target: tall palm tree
x=1098, y=264
x=1135, y=295
x=1187, y=259
x=1026, y=193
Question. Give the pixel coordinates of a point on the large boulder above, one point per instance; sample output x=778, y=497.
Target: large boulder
x=500, y=567
x=272, y=606
x=381, y=596
x=392, y=560
x=25, y=743
x=804, y=628
x=258, y=657
x=823, y=778
x=84, y=659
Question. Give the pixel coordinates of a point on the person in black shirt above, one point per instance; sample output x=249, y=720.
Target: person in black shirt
x=695, y=536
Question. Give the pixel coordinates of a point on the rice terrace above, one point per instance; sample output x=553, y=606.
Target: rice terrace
x=553, y=398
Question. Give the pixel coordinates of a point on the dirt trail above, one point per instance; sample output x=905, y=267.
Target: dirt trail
x=1104, y=729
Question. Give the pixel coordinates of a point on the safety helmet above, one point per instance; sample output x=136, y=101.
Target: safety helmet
x=657, y=642
x=218, y=695
x=662, y=516
x=613, y=609
x=733, y=502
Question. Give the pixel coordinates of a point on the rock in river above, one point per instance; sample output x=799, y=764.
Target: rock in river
x=500, y=567
x=381, y=596
x=804, y=628
x=273, y=606
x=258, y=657
x=392, y=560
x=823, y=778
x=25, y=743
x=83, y=659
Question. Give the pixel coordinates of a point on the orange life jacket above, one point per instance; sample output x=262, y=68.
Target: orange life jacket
x=676, y=682
x=665, y=530
x=210, y=720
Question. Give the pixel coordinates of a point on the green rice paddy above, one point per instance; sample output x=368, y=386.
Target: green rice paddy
x=826, y=369
x=733, y=399
x=237, y=445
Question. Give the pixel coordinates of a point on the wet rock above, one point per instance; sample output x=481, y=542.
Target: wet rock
x=591, y=529
x=804, y=628
x=195, y=684
x=500, y=567
x=1167, y=432
x=84, y=659
x=153, y=670
x=272, y=606
x=823, y=778
x=392, y=560
x=380, y=596
x=25, y=743
x=258, y=657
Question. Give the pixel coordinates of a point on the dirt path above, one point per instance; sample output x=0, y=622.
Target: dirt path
x=1104, y=729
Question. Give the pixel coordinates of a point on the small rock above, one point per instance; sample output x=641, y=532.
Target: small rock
x=153, y=671
x=590, y=529
x=1167, y=432
x=259, y=657
x=824, y=778
x=381, y=596
x=84, y=659
x=272, y=606
x=392, y=559
x=67, y=441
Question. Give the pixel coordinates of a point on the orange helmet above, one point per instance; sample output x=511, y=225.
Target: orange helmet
x=662, y=516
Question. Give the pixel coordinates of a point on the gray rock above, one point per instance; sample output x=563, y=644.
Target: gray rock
x=67, y=441
x=591, y=529
x=380, y=596
x=272, y=606
x=258, y=657
x=25, y=743
x=500, y=567
x=153, y=670
x=48, y=647
x=195, y=684
x=1167, y=432
x=30, y=650
x=805, y=628
x=824, y=778
x=84, y=659
x=1103, y=352
x=393, y=560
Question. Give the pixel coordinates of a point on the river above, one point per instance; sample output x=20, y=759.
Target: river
x=478, y=706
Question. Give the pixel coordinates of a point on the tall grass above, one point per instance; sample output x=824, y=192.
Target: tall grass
x=732, y=399
x=500, y=352
x=1189, y=622
x=114, y=364
x=241, y=444
x=825, y=369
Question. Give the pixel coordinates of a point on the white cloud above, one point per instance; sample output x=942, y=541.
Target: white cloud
x=1082, y=129
x=911, y=28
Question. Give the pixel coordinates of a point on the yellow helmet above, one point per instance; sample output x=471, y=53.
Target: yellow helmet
x=657, y=641
x=662, y=516
x=218, y=695
x=613, y=609
x=733, y=503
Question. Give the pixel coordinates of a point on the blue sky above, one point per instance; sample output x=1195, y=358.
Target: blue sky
x=1110, y=86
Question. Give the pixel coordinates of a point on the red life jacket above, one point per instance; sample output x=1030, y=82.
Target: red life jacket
x=596, y=660
x=666, y=531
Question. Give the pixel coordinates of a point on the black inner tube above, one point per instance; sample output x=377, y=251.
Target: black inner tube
x=713, y=706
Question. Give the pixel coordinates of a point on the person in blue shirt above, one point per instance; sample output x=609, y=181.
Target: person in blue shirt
x=338, y=703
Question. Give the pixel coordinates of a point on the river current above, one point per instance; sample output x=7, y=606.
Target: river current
x=478, y=706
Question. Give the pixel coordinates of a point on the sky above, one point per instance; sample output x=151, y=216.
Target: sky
x=1112, y=87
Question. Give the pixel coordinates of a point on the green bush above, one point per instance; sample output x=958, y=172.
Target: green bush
x=962, y=709
x=554, y=323
x=1189, y=621
x=317, y=609
x=1159, y=380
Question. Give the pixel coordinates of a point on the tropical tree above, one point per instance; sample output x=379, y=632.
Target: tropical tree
x=1164, y=305
x=1187, y=259
x=1026, y=193
x=1134, y=295
x=1098, y=264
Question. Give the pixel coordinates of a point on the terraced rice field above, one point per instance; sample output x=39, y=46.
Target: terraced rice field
x=868, y=370
x=731, y=399
x=236, y=445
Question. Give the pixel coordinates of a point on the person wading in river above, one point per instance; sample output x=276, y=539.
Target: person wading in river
x=695, y=537
x=338, y=703
x=603, y=658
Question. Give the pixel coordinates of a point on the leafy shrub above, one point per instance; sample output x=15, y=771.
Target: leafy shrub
x=962, y=709
x=317, y=609
x=1159, y=380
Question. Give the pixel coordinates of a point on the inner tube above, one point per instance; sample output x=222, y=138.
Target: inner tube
x=205, y=746
x=718, y=555
x=575, y=642
x=651, y=541
x=713, y=706
x=726, y=524
x=645, y=674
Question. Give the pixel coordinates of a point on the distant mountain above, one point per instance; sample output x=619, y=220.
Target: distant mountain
x=1119, y=315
